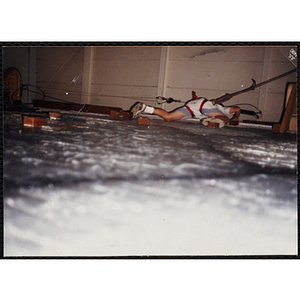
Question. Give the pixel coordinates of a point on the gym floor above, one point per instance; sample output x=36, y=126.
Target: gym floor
x=113, y=187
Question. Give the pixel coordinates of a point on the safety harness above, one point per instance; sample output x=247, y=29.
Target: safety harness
x=191, y=112
x=200, y=109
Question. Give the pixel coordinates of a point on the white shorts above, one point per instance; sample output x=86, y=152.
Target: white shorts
x=208, y=107
x=194, y=105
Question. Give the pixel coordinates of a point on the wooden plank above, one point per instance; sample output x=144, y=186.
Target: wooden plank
x=259, y=122
x=34, y=121
x=291, y=102
x=276, y=127
x=76, y=107
x=293, y=121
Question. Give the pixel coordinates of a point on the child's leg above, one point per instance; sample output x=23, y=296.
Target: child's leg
x=169, y=116
x=175, y=115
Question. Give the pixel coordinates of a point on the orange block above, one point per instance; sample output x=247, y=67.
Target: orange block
x=114, y=113
x=34, y=121
x=127, y=115
x=143, y=121
x=54, y=115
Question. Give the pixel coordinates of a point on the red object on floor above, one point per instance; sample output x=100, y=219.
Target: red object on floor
x=54, y=115
x=143, y=121
x=34, y=121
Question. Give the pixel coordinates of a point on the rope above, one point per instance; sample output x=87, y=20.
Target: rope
x=39, y=91
x=159, y=99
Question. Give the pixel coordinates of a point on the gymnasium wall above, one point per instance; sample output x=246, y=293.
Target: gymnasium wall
x=121, y=75
x=60, y=72
x=214, y=71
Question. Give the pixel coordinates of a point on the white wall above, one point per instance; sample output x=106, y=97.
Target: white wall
x=121, y=75
x=272, y=95
x=214, y=71
x=60, y=72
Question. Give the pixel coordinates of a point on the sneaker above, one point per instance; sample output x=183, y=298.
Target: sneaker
x=213, y=122
x=137, y=109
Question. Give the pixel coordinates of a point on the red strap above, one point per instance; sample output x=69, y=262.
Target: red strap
x=194, y=95
x=200, y=109
x=191, y=112
x=201, y=106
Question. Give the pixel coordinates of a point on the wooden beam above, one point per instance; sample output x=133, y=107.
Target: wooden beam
x=258, y=122
x=291, y=102
x=105, y=110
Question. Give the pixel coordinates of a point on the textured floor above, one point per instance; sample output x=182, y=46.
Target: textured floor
x=114, y=187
